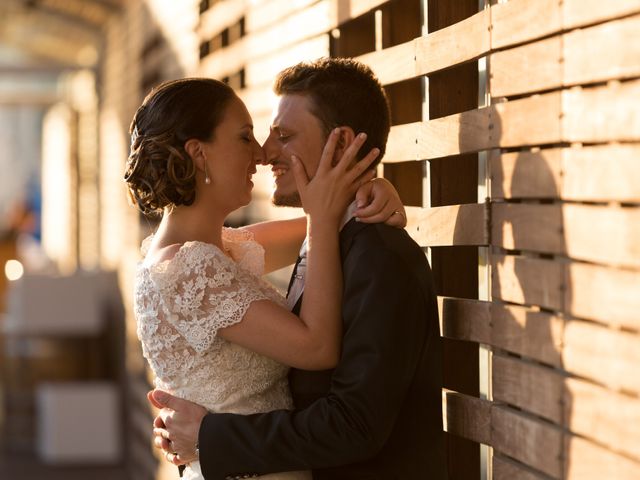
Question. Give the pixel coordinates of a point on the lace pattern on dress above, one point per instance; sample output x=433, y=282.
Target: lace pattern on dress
x=180, y=305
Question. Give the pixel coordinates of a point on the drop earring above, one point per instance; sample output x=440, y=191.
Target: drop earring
x=207, y=180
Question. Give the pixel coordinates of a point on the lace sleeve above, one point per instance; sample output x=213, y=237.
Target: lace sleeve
x=204, y=290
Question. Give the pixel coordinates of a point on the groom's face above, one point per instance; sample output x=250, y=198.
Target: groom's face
x=294, y=131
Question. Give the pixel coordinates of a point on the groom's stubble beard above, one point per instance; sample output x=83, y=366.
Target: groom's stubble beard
x=286, y=200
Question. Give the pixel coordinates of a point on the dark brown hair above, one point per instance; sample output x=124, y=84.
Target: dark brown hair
x=159, y=172
x=344, y=92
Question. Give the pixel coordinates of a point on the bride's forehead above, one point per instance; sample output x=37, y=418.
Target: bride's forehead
x=237, y=112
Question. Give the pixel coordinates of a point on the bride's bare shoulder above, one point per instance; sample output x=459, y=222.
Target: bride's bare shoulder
x=161, y=253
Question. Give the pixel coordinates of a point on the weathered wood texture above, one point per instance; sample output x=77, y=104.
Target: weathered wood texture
x=589, y=350
x=598, y=114
x=532, y=445
x=593, y=174
x=449, y=225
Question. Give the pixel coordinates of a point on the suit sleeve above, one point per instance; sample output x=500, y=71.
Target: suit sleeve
x=385, y=331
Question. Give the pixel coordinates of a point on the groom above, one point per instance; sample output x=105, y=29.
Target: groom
x=378, y=414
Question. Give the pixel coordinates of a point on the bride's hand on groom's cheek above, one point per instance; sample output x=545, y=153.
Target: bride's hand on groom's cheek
x=176, y=427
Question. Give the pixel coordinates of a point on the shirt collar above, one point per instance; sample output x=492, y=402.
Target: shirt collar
x=348, y=215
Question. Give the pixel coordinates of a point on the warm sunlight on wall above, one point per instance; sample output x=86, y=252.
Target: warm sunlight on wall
x=57, y=216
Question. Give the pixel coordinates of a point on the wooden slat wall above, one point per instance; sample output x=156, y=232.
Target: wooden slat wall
x=561, y=222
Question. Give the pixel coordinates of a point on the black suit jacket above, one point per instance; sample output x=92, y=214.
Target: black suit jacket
x=378, y=414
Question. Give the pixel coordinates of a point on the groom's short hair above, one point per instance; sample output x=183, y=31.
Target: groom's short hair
x=344, y=92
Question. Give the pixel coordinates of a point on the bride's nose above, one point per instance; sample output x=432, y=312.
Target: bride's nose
x=259, y=156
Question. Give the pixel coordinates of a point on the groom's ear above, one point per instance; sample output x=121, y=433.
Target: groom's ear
x=346, y=138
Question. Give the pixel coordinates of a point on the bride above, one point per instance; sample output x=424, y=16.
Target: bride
x=213, y=331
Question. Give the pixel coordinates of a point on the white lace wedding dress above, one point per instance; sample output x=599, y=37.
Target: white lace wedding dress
x=181, y=303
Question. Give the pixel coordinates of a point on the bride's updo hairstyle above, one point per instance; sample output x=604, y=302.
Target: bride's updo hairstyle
x=159, y=172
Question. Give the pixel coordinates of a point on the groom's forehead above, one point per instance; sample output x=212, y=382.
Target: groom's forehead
x=291, y=108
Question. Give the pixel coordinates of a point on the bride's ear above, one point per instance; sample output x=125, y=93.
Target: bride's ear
x=193, y=148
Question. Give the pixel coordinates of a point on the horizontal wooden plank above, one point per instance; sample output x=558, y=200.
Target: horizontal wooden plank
x=260, y=15
x=528, y=332
x=529, y=68
x=586, y=460
x=581, y=56
x=609, y=418
x=534, y=388
x=445, y=48
x=464, y=319
x=605, y=355
x=260, y=102
x=578, y=13
x=459, y=133
x=464, y=132
x=393, y=64
x=543, y=119
x=506, y=469
x=526, y=174
x=590, y=350
x=402, y=143
x=604, y=52
x=450, y=225
x=608, y=172
x=220, y=16
x=529, y=121
x=463, y=41
x=528, y=440
x=279, y=32
x=316, y=20
x=532, y=227
x=263, y=70
x=598, y=173
x=602, y=114
x=608, y=235
x=582, y=407
x=466, y=416
x=271, y=13
x=529, y=281
x=604, y=294
x=519, y=21
x=226, y=61
x=345, y=11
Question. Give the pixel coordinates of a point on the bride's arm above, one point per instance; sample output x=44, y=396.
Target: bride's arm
x=378, y=200
x=312, y=340
x=281, y=240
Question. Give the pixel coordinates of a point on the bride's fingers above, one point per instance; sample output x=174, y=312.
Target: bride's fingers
x=374, y=212
x=326, y=159
x=158, y=422
x=357, y=171
x=299, y=173
x=350, y=153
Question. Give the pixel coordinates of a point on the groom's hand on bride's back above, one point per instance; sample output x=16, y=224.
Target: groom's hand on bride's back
x=176, y=426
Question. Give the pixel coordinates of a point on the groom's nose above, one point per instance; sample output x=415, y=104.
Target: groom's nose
x=271, y=150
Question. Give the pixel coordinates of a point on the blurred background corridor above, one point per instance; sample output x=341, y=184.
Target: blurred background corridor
x=72, y=73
